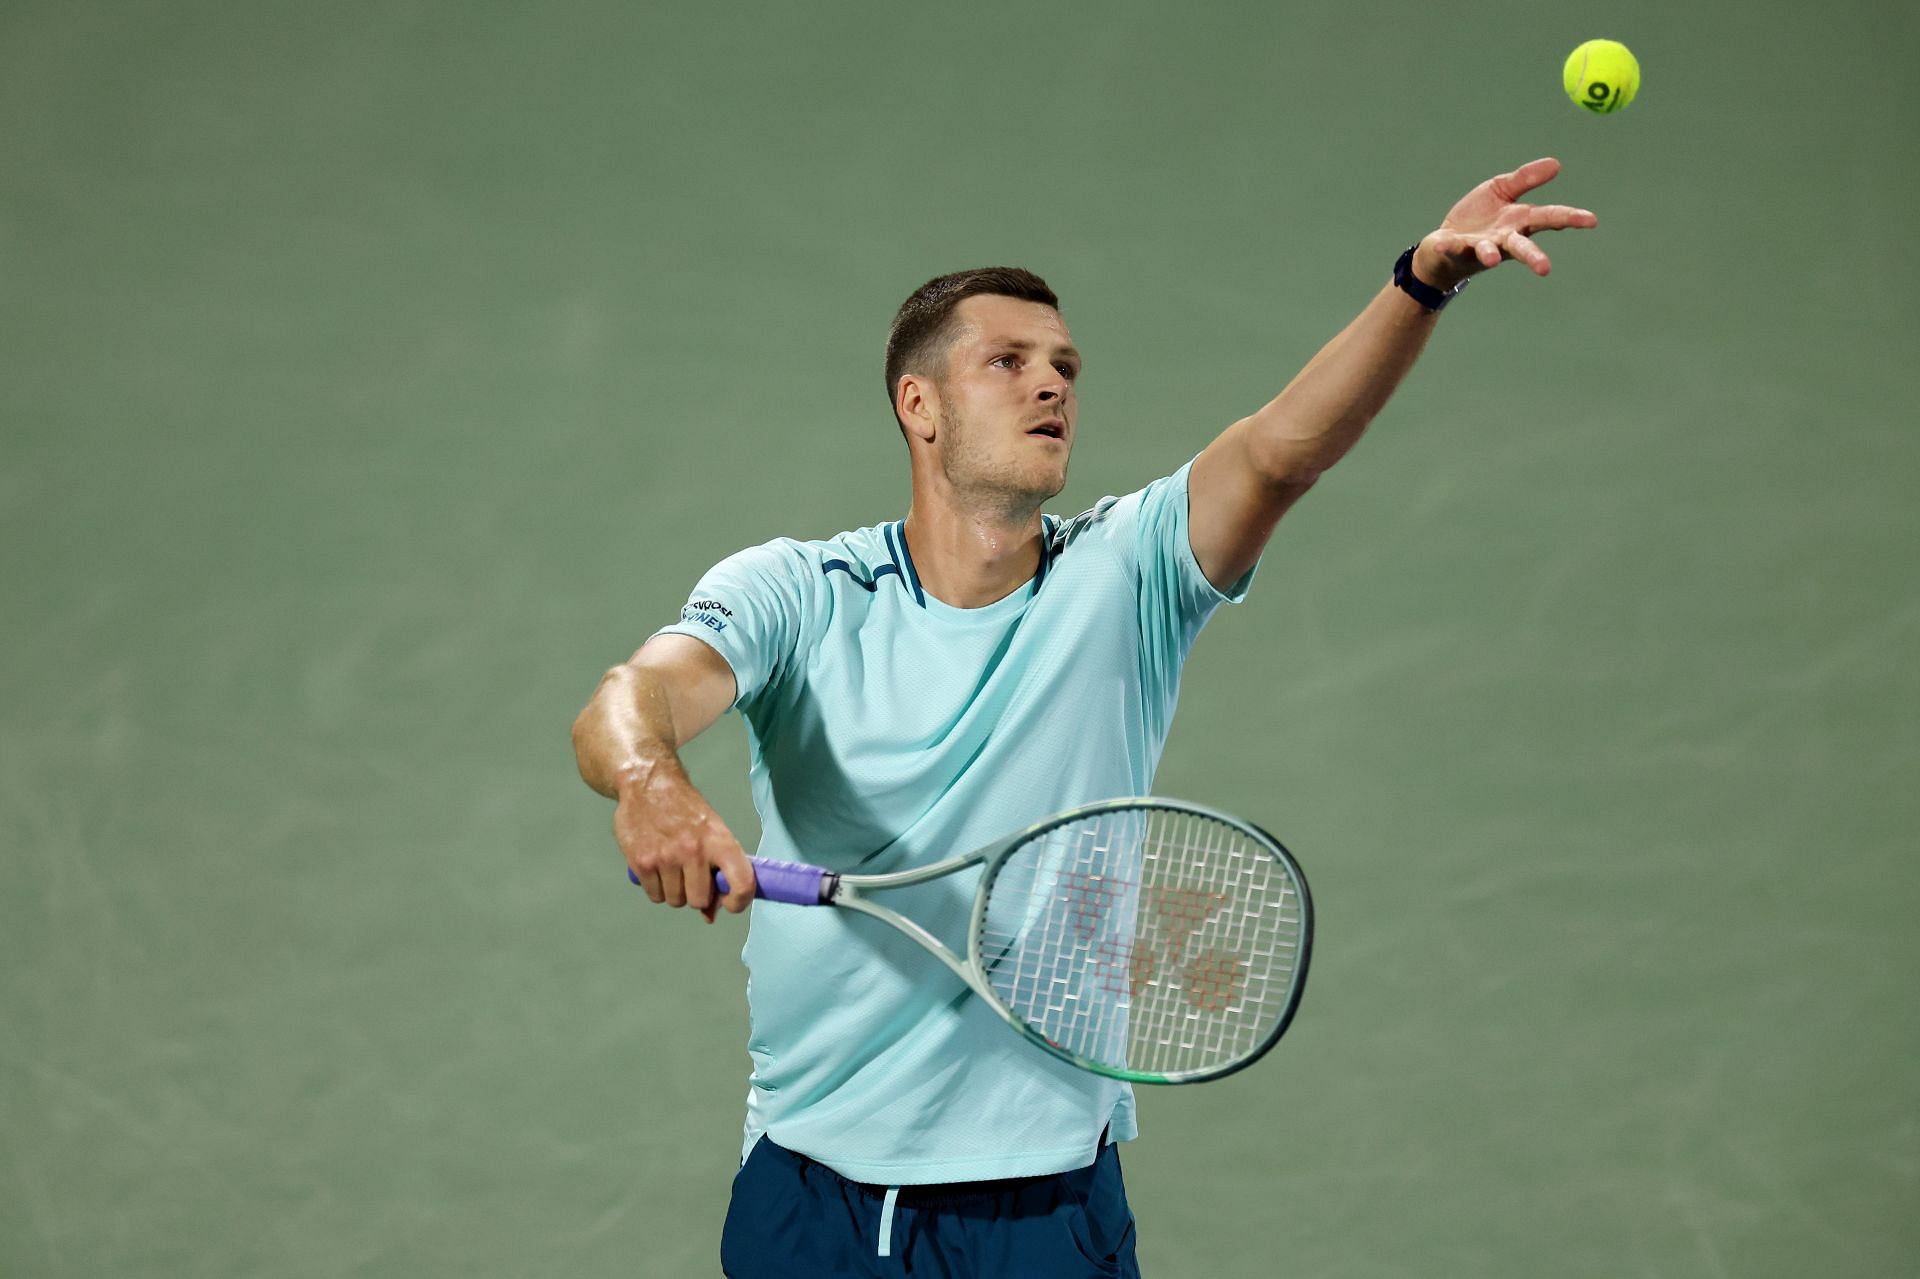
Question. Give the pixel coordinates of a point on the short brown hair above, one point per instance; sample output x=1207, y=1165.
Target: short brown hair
x=923, y=326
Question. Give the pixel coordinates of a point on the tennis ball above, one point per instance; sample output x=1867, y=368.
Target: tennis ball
x=1602, y=76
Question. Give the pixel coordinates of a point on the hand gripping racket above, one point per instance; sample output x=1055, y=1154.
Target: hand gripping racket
x=1146, y=939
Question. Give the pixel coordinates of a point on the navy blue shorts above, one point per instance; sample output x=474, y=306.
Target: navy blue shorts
x=793, y=1218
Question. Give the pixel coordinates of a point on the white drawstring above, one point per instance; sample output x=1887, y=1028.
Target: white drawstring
x=886, y=1221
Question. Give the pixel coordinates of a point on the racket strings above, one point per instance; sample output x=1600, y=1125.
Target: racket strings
x=1151, y=941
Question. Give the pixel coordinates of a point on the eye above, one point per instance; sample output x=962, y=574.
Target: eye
x=1068, y=371
x=1003, y=361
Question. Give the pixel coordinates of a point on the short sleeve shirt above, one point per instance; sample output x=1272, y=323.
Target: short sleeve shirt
x=888, y=730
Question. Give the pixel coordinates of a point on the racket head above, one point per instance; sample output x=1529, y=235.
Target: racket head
x=1149, y=940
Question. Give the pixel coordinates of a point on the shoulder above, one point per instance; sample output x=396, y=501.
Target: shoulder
x=1064, y=532
x=767, y=600
x=864, y=555
x=1117, y=520
x=798, y=571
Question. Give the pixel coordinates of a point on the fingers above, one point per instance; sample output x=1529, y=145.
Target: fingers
x=686, y=872
x=679, y=870
x=1452, y=244
x=1511, y=186
x=1559, y=217
x=1521, y=249
x=1494, y=246
x=673, y=884
x=1547, y=217
x=699, y=884
x=716, y=852
x=673, y=840
x=675, y=878
x=738, y=868
x=650, y=882
x=659, y=864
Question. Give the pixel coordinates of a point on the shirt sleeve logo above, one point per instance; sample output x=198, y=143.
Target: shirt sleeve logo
x=708, y=613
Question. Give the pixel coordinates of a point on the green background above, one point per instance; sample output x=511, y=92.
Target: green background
x=372, y=376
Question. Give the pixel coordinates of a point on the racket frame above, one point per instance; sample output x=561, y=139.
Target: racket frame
x=848, y=892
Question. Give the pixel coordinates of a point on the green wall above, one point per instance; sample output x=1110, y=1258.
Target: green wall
x=373, y=376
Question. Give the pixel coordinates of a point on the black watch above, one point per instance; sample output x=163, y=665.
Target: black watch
x=1419, y=290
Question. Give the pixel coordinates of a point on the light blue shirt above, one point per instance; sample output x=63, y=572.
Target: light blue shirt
x=889, y=730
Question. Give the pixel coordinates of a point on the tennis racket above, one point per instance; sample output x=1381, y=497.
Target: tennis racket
x=1149, y=940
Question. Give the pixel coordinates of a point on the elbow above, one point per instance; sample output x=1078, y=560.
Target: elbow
x=582, y=734
x=590, y=736
x=1291, y=481
x=1288, y=462
x=1284, y=466
x=583, y=752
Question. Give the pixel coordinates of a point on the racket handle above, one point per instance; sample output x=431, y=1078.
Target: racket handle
x=792, y=882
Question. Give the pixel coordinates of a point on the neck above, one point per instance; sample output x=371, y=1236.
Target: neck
x=971, y=556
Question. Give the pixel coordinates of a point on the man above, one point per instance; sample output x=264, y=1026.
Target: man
x=919, y=688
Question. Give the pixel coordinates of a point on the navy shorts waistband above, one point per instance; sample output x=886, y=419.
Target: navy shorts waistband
x=930, y=1194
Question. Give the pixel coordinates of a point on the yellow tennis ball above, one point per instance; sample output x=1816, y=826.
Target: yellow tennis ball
x=1602, y=76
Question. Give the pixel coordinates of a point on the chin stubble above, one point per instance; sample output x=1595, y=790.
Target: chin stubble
x=986, y=481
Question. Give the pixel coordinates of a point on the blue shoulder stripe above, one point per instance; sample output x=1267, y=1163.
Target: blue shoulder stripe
x=903, y=556
x=859, y=581
x=1047, y=531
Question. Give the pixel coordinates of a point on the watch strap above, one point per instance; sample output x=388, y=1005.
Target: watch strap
x=1418, y=289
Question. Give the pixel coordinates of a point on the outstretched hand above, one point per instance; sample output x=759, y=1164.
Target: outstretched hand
x=1490, y=225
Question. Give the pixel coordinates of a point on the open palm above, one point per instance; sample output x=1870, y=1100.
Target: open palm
x=1490, y=225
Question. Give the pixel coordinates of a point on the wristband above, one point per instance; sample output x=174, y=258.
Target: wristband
x=1419, y=290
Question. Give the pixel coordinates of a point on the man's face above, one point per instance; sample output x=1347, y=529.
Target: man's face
x=1007, y=405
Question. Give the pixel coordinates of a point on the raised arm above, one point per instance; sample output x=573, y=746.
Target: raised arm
x=627, y=743
x=1246, y=479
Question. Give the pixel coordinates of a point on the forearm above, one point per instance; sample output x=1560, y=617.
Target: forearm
x=1328, y=405
x=627, y=742
x=627, y=729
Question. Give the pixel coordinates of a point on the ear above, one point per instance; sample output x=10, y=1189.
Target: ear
x=916, y=402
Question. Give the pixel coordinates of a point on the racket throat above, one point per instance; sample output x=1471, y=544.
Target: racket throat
x=850, y=897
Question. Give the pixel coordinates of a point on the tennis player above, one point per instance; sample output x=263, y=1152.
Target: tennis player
x=924, y=686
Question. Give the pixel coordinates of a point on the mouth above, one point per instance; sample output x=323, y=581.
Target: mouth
x=1053, y=429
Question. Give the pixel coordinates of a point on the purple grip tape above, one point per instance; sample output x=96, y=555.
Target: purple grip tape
x=792, y=882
